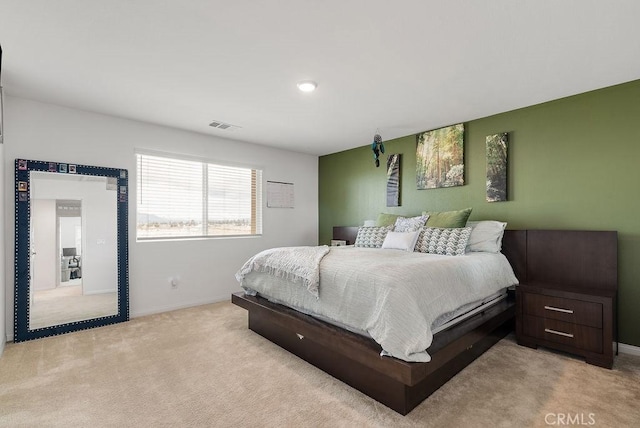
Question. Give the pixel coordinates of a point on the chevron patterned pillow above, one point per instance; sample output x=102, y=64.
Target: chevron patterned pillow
x=371, y=237
x=443, y=241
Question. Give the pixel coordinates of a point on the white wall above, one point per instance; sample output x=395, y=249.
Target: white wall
x=69, y=228
x=100, y=251
x=206, y=267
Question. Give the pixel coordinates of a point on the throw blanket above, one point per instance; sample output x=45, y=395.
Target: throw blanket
x=295, y=264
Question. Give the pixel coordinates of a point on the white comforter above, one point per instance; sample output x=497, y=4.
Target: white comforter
x=392, y=295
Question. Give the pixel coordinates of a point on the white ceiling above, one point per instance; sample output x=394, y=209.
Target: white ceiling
x=398, y=66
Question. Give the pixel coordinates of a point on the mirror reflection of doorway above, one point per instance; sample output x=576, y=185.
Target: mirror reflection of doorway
x=57, y=243
x=56, y=258
x=61, y=245
x=69, y=220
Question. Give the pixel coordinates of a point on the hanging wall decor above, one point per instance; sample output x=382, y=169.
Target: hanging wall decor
x=393, y=180
x=497, y=146
x=440, y=158
x=378, y=147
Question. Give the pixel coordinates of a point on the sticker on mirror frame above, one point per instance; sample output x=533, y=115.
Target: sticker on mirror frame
x=22, y=186
x=23, y=197
x=123, y=174
x=62, y=167
x=22, y=164
x=53, y=167
x=72, y=169
x=123, y=190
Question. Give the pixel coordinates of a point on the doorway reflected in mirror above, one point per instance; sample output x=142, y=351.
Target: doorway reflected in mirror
x=60, y=296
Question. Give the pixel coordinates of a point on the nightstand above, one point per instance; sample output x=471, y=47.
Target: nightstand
x=566, y=299
x=345, y=233
x=580, y=321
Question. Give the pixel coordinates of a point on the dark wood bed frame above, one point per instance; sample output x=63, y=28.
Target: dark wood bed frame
x=356, y=360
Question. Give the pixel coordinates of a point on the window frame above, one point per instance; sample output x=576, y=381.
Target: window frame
x=257, y=200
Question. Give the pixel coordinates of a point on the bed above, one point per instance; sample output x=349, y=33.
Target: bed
x=400, y=381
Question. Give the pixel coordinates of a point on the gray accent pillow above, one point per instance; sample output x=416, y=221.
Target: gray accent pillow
x=411, y=224
x=443, y=241
x=486, y=236
x=371, y=237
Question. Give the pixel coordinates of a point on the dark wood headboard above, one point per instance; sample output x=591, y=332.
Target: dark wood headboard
x=514, y=246
x=571, y=258
x=565, y=258
x=345, y=233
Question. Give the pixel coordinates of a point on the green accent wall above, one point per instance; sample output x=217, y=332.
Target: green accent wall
x=574, y=163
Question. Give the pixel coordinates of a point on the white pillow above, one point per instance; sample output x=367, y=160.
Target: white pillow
x=486, y=236
x=405, y=241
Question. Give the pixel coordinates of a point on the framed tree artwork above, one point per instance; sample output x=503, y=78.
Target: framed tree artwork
x=440, y=157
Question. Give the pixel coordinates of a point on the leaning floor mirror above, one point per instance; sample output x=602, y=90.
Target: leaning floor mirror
x=71, y=250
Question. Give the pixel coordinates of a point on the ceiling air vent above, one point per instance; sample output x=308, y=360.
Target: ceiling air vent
x=224, y=126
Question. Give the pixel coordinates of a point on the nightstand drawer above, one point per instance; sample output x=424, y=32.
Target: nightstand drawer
x=575, y=335
x=563, y=309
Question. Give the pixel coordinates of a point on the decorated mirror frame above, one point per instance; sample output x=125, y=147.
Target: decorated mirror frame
x=22, y=261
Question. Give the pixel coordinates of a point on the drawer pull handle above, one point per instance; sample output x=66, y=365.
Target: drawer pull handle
x=300, y=336
x=566, y=311
x=559, y=333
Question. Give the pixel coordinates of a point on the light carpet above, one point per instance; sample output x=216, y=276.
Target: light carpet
x=67, y=304
x=202, y=367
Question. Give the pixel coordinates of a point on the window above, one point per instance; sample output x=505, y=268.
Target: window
x=180, y=198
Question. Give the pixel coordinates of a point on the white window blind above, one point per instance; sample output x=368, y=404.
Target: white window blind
x=183, y=198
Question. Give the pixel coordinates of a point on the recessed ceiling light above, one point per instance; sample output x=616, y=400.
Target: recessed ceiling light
x=307, y=86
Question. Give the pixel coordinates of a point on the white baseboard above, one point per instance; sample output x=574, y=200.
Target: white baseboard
x=629, y=349
x=160, y=309
x=104, y=291
x=156, y=310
